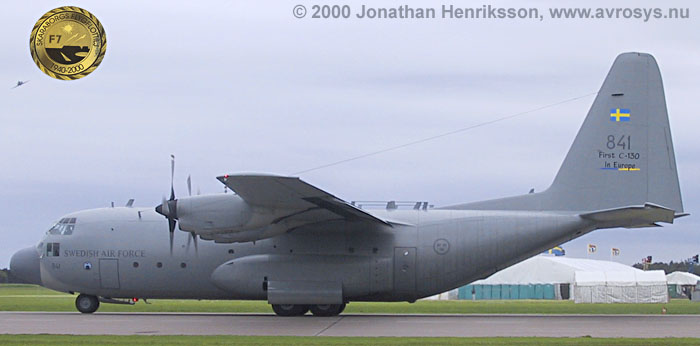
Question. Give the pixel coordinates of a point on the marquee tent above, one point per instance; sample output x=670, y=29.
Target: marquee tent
x=682, y=278
x=620, y=286
x=547, y=277
x=681, y=283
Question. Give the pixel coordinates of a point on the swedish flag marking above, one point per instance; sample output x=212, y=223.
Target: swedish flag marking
x=620, y=114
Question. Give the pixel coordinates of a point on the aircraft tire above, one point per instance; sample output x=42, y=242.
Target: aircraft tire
x=87, y=304
x=327, y=310
x=287, y=310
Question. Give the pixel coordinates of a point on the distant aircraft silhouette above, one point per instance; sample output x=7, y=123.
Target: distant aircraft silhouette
x=20, y=83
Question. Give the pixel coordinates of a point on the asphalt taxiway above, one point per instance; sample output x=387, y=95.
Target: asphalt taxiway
x=644, y=326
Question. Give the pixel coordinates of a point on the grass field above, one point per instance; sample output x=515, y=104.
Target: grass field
x=34, y=298
x=151, y=340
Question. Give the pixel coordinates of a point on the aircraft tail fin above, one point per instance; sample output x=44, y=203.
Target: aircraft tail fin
x=622, y=155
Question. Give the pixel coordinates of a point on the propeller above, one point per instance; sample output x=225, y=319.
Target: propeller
x=169, y=207
x=193, y=236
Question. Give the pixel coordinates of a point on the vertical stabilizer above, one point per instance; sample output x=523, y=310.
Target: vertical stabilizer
x=623, y=153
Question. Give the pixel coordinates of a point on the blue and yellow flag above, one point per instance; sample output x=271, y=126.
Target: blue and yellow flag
x=620, y=114
x=556, y=251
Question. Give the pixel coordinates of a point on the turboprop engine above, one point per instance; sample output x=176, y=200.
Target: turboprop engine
x=224, y=218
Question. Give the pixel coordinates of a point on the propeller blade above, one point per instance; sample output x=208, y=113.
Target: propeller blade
x=192, y=238
x=171, y=244
x=172, y=177
x=171, y=225
x=189, y=185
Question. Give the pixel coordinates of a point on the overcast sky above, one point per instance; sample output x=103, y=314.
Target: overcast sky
x=242, y=86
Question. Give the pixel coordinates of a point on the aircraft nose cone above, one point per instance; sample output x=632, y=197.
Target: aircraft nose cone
x=24, y=264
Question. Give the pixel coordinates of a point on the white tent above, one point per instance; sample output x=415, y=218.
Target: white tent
x=590, y=281
x=682, y=278
x=681, y=284
x=635, y=286
x=550, y=270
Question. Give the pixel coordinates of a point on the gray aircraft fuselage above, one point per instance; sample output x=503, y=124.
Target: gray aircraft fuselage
x=114, y=253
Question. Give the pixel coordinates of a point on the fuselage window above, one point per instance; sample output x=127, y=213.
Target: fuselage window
x=53, y=249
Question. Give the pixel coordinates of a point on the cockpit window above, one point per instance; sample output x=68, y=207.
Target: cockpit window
x=53, y=249
x=63, y=227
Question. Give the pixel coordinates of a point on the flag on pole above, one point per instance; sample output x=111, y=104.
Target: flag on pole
x=592, y=248
x=615, y=251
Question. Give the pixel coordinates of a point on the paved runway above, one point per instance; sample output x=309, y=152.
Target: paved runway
x=352, y=325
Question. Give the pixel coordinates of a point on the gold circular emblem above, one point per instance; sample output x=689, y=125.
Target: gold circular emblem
x=68, y=43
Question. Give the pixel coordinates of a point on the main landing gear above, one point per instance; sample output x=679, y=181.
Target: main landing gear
x=87, y=304
x=324, y=310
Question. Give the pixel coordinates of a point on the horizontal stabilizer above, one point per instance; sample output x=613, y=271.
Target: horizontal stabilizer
x=646, y=215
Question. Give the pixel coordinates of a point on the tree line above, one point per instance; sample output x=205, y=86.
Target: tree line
x=670, y=267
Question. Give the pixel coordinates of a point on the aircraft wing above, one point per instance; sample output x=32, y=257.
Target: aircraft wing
x=305, y=201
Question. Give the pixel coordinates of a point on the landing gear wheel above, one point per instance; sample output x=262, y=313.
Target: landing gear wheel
x=290, y=309
x=87, y=304
x=326, y=310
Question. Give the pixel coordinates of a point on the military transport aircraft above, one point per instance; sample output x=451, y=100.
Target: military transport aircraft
x=300, y=248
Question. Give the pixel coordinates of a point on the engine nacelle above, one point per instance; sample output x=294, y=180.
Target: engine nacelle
x=227, y=218
x=213, y=213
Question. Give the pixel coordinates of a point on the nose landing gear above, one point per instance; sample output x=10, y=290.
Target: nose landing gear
x=87, y=304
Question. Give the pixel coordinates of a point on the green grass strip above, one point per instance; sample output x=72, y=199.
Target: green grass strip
x=35, y=298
